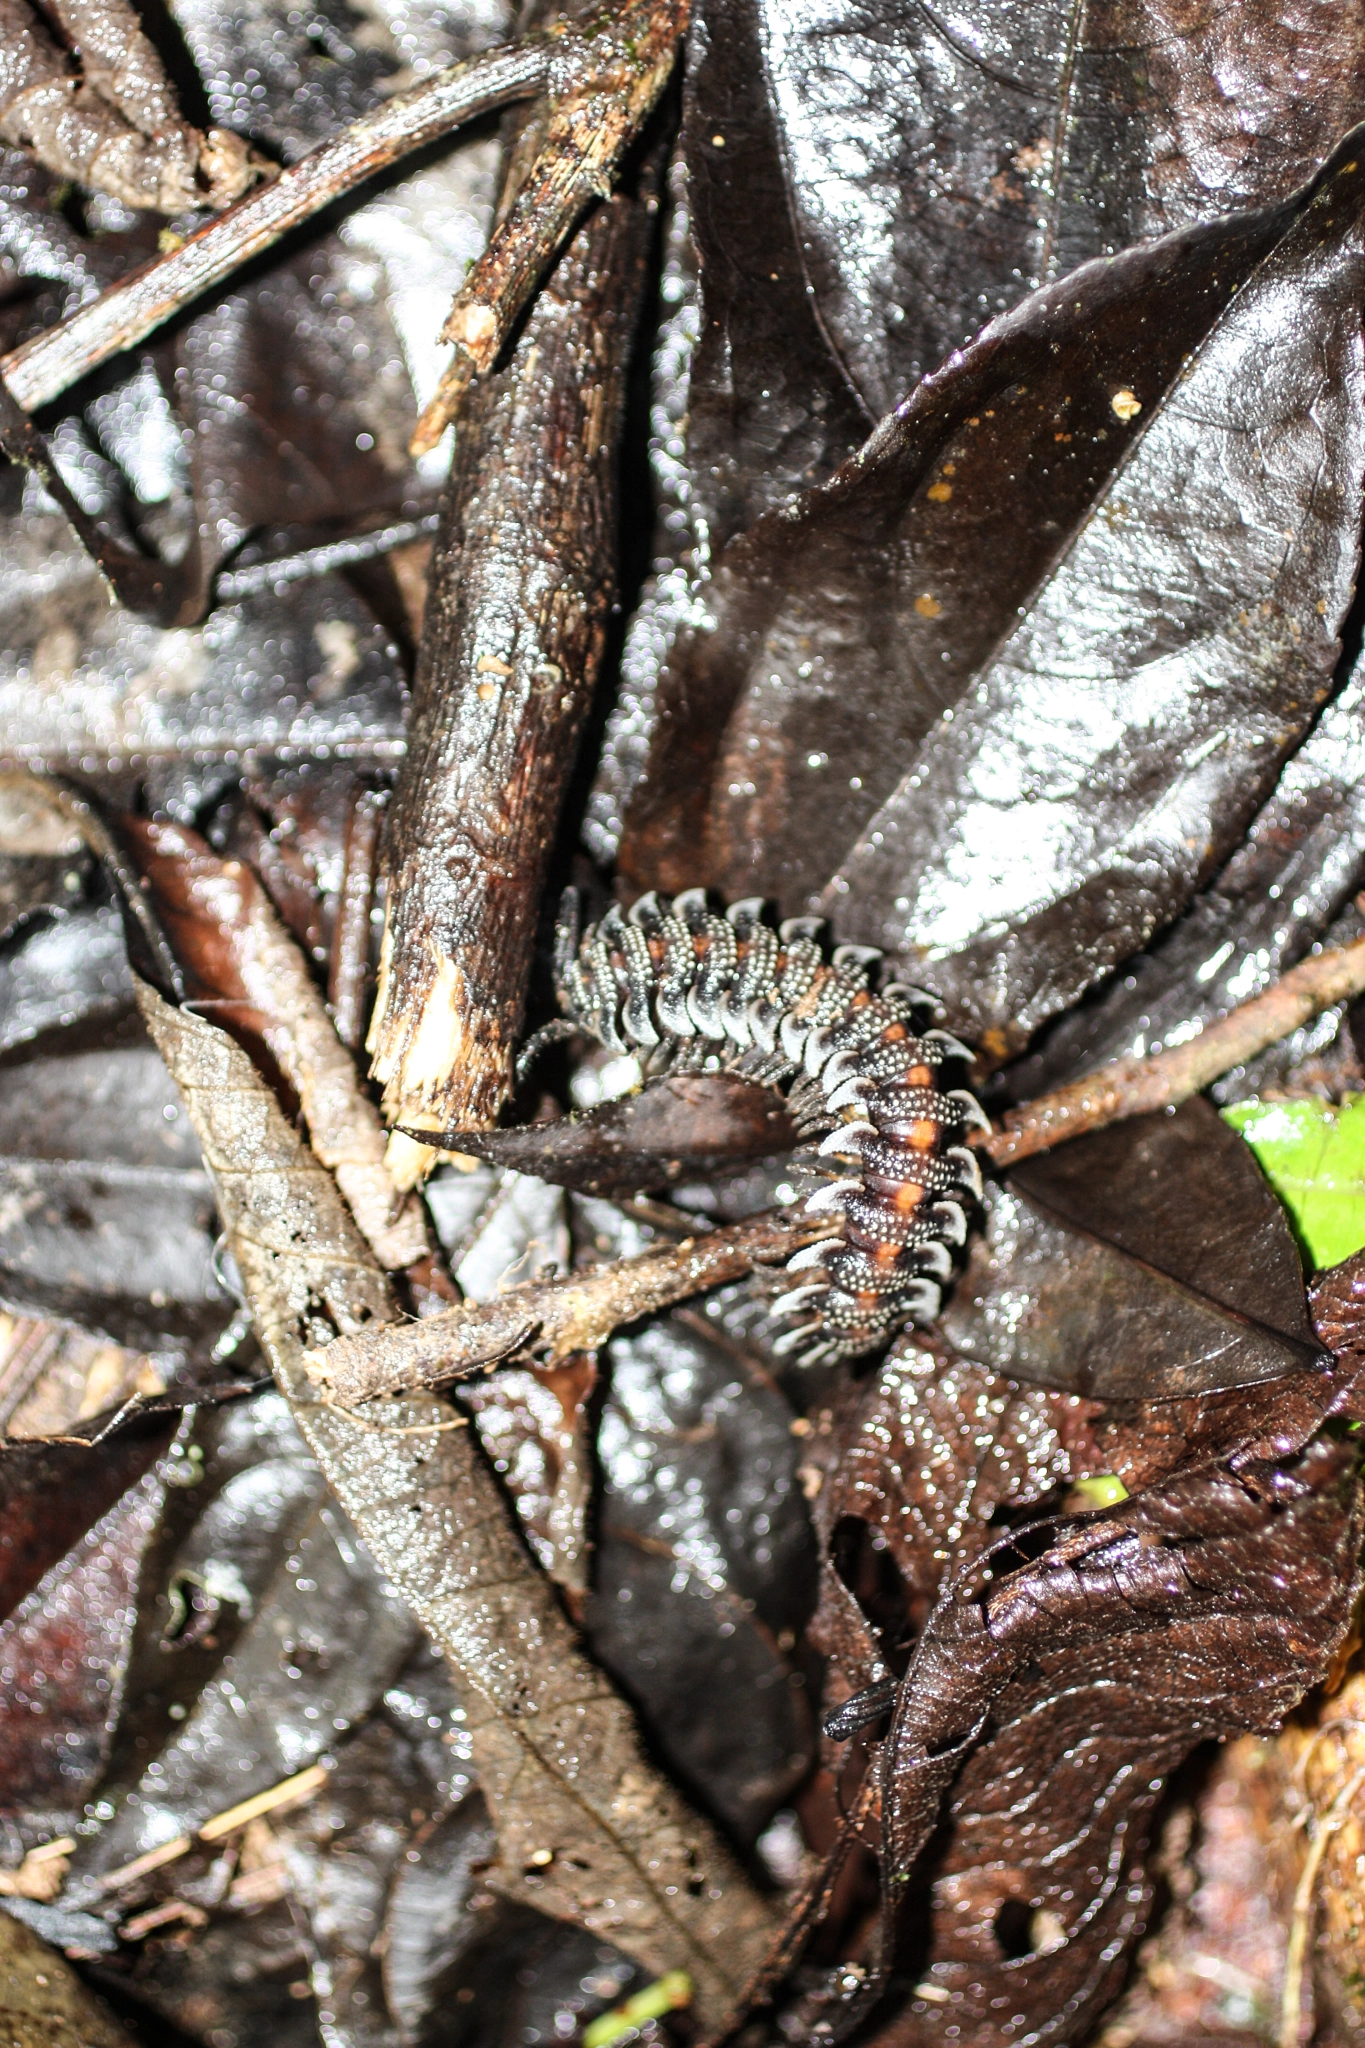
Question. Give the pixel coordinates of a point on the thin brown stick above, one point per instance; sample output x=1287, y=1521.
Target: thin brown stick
x=624, y=68
x=553, y=1318
x=52, y=361
x=351, y=939
x=1133, y=1087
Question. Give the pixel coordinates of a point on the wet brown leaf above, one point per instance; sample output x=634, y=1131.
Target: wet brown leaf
x=868, y=184
x=685, y=1127
x=1142, y=1262
x=226, y=934
x=51, y=1494
x=974, y=841
x=556, y=1751
x=920, y=1474
x=914, y=1473
x=64, y=1658
x=847, y=622
x=1046, y=1703
x=1279, y=893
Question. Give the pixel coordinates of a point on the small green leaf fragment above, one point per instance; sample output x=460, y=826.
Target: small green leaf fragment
x=1105, y=1490
x=665, y=1994
x=1313, y=1155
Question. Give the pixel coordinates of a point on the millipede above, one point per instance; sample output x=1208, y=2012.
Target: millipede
x=686, y=989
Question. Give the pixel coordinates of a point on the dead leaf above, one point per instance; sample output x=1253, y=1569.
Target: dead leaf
x=1144, y=1261
x=1204, y=1607
x=973, y=845
x=556, y=1751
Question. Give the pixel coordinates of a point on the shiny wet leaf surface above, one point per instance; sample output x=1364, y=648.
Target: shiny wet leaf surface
x=973, y=563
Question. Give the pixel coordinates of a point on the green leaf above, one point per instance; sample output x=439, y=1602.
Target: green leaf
x=1313, y=1155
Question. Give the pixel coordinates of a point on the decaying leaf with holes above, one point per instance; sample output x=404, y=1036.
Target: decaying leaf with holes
x=1047, y=1702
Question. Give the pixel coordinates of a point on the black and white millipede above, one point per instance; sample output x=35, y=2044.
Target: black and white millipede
x=689, y=990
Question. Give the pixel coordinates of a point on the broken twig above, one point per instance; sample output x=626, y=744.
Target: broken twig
x=625, y=67
x=1133, y=1087
x=553, y=1318
x=521, y=592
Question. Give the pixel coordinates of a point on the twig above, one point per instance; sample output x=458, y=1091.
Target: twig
x=521, y=591
x=551, y=1317
x=60, y=356
x=1132, y=1087
x=289, y=1792
x=1301, y=1915
x=624, y=69
x=351, y=938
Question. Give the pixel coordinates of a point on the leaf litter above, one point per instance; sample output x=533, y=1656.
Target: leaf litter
x=644, y=1679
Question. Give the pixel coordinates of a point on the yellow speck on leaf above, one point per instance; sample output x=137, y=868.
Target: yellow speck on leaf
x=1126, y=405
x=939, y=494
x=928, y=607
x=1105, y=1490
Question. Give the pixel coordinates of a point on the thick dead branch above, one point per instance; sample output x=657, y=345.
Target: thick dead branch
x=588, y=1830
x=522, y=584
x=47, y=365
x=114, y=124
x=1132, y=1087
x=225, y=927
x=553, y=1318
x=625, y=68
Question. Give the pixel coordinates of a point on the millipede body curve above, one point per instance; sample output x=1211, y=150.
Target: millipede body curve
x=687, y=989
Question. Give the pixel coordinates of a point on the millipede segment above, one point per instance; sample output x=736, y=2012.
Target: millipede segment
x=688, y=990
